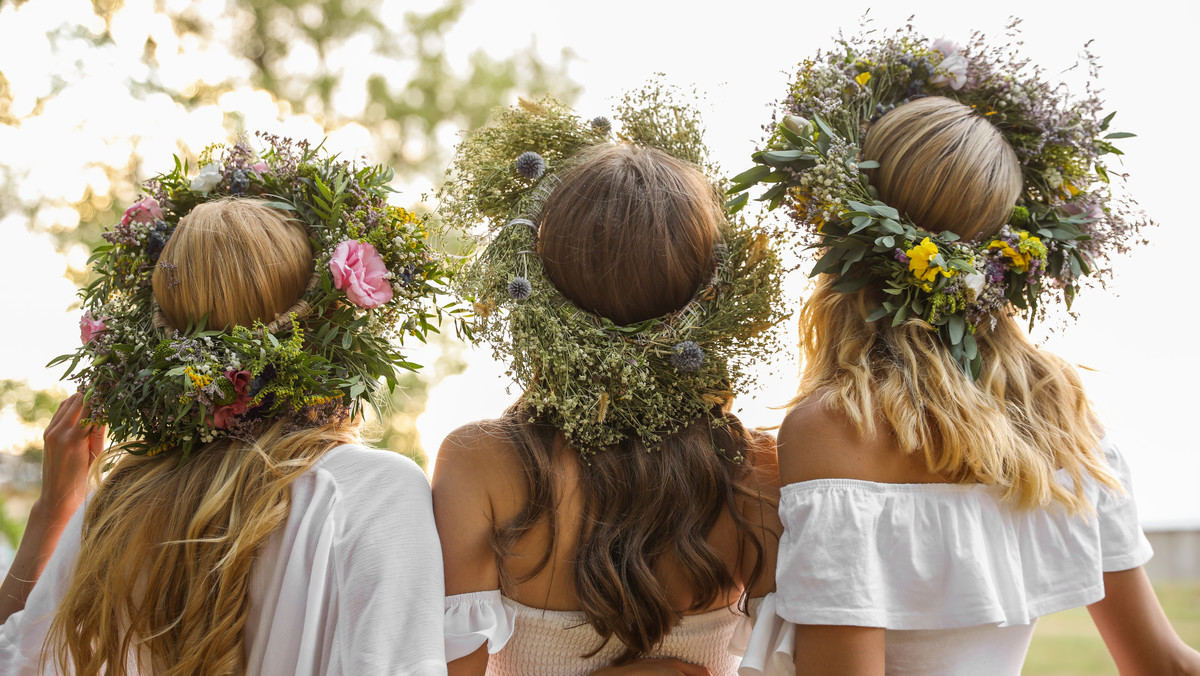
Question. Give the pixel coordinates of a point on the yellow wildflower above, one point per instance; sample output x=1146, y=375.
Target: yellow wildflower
x=199, y=381
x=1028, y=248
x=863, y=78
x=919, y=258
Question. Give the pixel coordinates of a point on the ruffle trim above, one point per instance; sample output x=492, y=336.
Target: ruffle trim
x=946, y=556
x=476, y=617
x=765, y=642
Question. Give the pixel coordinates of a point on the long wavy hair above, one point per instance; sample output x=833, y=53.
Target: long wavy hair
x=1026, y=415
x=163, y=576
x=628, y=234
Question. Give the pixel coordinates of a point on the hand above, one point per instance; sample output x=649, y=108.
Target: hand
x=70, y=449
x=653, y=667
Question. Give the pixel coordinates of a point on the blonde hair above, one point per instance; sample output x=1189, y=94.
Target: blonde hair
x=944, y=167
x=234, y=260
x=1026, y=415
x=163, y=574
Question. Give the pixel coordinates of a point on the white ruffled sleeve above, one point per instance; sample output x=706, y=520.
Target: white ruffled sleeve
x=765, y=642
x=1123, y=545
x=473, y=618
x=928, y=556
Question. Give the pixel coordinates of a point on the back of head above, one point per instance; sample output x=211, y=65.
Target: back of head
x=628, y=233
x=944, y=166
x=175, y=588
x=1026, y=414
x=235, y=261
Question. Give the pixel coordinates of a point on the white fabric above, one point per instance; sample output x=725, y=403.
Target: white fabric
x=352, y=584
x=955, y=575
x=537, y=642
x=476, y=617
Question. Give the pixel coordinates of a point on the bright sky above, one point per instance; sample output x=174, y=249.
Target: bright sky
x=1138, y=341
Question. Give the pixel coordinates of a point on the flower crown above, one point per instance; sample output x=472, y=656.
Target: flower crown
x=374, y=281
x=597, y=381
x=1066, y=224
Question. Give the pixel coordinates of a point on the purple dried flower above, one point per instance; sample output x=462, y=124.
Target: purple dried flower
x=687, y=356
x=531, y=165
x=520, y=289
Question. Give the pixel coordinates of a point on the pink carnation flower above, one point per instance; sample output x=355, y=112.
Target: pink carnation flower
x=241, y=402
x=89, y=327
x=358, y=270
x=259, y=167
x=145, y=210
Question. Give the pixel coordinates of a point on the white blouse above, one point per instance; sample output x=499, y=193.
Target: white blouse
x=525, y=641
x=351, y=584
x=956, y=575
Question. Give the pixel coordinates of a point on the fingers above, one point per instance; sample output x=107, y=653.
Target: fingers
x=96, y=441
x=64, y=427
x=65, y=417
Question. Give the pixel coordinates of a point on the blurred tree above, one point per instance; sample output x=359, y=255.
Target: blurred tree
x=117, y=86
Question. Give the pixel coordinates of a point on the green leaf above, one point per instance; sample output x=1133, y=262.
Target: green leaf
x=852, y=284
x=970, y=347
x=824, y=127
x=884, y=211
x=869, y=164
x=752, y=175
x=827, y=261
x=877, y=314
x=891, y=226
x=955, y=326
x=737, y=203
x=901, y=315
x=1108, y=118
x=781, y=156
x=1120, y=134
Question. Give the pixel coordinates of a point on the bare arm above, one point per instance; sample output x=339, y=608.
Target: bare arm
x=839, y=651
x=1136, y=630
x=463, y=512
x=814, y=444
x=70, y=449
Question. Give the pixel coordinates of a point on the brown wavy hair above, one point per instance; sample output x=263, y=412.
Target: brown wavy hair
x=163, y=575
x=1026, y=415
x=628, y=233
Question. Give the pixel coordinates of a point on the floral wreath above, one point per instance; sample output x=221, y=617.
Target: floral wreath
x=1066, y=225
x=597, y=381
x=374, y=281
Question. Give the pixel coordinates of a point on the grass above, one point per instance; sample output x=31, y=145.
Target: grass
x=1067, y=643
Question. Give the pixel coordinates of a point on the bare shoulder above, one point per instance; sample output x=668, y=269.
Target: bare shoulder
x=819, y=442
x=478, y=463
x=476, y=451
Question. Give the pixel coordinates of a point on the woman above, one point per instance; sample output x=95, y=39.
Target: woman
x=574, y=541
x=275, y=544
x=935, y=507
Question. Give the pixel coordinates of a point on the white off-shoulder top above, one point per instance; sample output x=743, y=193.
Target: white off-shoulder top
x=350, y=585
x=526, y=641
x=956, y=576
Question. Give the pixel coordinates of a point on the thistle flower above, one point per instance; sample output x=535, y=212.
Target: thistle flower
x=601, y=124
x=520, y=289
x=687, y=356
x=239, y=182
x=531, y=165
